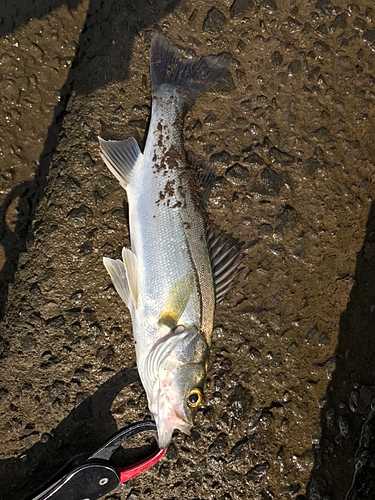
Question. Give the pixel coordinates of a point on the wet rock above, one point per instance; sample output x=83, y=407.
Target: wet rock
x=27, y=343
x=330, y=417
x=286, y=220
x=214, y=21
x=277, y=58
x=3, y=393
x=268, y=4
x=105, y=355
x=258, y=473
x=293, y=23
x=324, y=6
x=56, y=323
x=210, y=118
x=311, y=334
x=239, y=7
x=253, y=159
x=72, y=186
x=265, y=230
x=219, y=445
x=239, y=402
x=141, y=124
x=318, y=488
x=306, y=460
x=369, y=36
x=172, y=452
x=344, y=39
x=320, y=133
x=223, y=157
x=310, y=166
x=322, y=30
x=77, y=296
x=321, y=47
x=239, y=451
x=88, y=161
x=339, y=22
x=78, y=216
x=237, y=174
x=86, y=248
x=105, y=186
x=281, y=157
x=225, y=84
x=294, y=67
x=360, y=24
x=343, y=426
x=270, y=182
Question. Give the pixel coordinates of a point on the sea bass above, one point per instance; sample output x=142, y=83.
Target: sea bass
x=179, y=264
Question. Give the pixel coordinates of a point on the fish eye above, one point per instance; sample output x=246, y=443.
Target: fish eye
x=195, y=397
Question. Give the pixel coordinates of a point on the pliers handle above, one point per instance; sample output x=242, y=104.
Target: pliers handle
x=90, y=477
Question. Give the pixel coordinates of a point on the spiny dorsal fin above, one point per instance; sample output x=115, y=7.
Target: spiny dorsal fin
x=226, y=257
x=117, y=272
x=176, y=301
x=121, y=157
x=130, y=263
x=204, y=173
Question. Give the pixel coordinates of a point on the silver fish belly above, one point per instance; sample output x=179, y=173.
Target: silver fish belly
x=167, y=279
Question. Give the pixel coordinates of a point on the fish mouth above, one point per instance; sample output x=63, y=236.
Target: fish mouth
x=180, y=417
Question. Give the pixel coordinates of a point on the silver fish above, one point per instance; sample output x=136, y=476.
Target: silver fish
x=168, y=278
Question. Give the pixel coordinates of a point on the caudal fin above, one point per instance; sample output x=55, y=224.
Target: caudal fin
x=191, y=77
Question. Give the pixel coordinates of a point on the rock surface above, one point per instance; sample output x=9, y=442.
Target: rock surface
x=291, y=138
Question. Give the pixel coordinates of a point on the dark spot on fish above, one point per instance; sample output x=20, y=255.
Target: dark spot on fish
x=160, y=128
x=187, y=225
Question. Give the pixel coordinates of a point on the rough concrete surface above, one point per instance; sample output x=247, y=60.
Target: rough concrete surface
x=290, y=134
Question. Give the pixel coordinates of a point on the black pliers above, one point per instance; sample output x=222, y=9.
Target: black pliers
x=91, y=476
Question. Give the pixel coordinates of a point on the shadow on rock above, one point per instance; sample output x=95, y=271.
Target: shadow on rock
x=348, y=424
x=88, y=425
x=15, y=13
x=103, y=55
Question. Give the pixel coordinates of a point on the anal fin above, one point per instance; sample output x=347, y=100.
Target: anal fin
x=226, y=257
x=121, y=157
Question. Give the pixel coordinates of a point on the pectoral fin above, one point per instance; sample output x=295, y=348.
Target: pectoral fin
x=176, y=301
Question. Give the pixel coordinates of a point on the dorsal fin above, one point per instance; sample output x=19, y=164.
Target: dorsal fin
x=226, y=257
x=204, y=173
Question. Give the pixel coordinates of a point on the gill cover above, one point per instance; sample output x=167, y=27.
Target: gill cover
x=174, y=367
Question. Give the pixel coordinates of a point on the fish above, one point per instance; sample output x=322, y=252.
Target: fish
x=180, y=265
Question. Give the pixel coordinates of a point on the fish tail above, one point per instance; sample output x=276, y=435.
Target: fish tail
x=189, y=77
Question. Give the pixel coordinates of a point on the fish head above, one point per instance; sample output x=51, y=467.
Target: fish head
x=177, y=369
